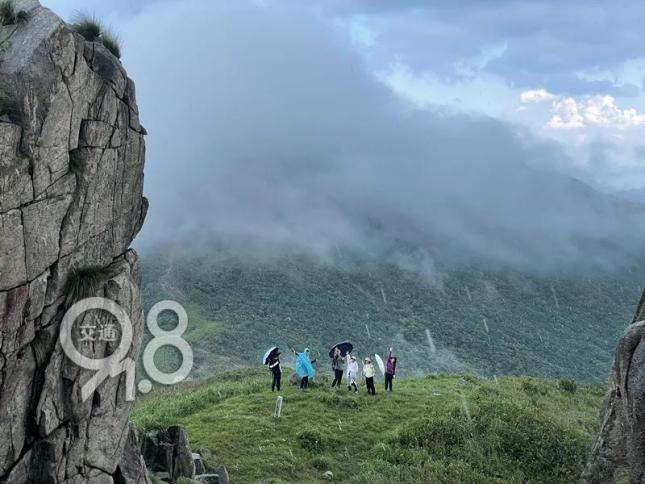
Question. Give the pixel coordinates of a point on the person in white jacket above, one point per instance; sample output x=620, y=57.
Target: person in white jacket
x=368, y=373
x=352, y=373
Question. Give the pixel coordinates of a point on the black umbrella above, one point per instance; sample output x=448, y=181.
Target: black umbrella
x=344, y=347
x=271, y=352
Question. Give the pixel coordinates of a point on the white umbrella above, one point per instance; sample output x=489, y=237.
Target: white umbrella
x=380, y=364
x=267, y=355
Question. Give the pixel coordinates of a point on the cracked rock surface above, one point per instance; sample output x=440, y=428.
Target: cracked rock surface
x=71, y=185
x=619, y=451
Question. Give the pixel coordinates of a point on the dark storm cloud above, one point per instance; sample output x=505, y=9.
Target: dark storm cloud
x=264, y=123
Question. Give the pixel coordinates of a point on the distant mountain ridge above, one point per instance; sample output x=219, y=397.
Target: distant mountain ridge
x=539, y=279
x=478, y=319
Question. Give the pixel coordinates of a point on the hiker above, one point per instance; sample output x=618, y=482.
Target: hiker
x=352, y=373
x=274, y=366
x=390, y=370
x=368, y=373
x=304, y=369
x=337, y=366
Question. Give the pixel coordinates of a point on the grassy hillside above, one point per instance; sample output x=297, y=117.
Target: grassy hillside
x=482, y=321
x=444, y=429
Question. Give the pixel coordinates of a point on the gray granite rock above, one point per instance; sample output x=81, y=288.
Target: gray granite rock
x=619, y=451
x=132, y=468
x=71, y=197
x=199, y=464
x=169, y=451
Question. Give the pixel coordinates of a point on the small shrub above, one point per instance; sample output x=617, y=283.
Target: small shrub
x=310, y=439
x=93, y=31
x=567, y=385
x=533, y=388
x=111, y=42
x=83, y=283
x=7, y=12
x=322, y=463
x=338, y=401
x=88, y=26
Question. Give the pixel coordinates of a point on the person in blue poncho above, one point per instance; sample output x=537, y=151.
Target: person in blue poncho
x=304, y=368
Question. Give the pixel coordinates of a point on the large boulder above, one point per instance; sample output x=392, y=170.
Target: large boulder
x=71, y=183
x=618, y=454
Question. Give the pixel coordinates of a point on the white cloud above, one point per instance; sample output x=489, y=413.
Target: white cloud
x=584, y=111
x=536, y=96
x=567, y=115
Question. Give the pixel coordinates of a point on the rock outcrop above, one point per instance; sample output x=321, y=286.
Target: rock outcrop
x=168, y=452
x=71, y=183
x=169, y=458
x=619, y=452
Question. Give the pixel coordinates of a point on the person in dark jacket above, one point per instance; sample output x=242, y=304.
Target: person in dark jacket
x=337, y=366
x=274, y=366
x=390, y=370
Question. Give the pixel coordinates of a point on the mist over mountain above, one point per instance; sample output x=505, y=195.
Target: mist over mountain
x=296, y=143
x=636, y=195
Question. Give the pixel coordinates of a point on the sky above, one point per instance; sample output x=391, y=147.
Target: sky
x=571, y=72
x=318, y=121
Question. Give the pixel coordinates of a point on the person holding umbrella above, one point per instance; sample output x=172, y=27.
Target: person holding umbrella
x=272, y=359
x=337, y=354
x=337, y=367
x=274, y=366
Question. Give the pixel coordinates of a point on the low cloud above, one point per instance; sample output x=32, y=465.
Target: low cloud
x=265, y=124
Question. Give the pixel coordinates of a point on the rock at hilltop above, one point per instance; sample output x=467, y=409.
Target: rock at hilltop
x=71, y=182
x=619, y=451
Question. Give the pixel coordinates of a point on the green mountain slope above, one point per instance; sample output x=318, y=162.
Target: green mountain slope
x=483, y=321
x=442, y=429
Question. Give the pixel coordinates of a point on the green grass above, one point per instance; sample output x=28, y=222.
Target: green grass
x=84, y=282
x=7, y=12
x=111, y=42
x=93, y=30
x=88, y=26
x=438, y=428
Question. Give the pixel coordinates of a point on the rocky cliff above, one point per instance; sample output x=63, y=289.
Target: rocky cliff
x=619, y=452
x=71, y=181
